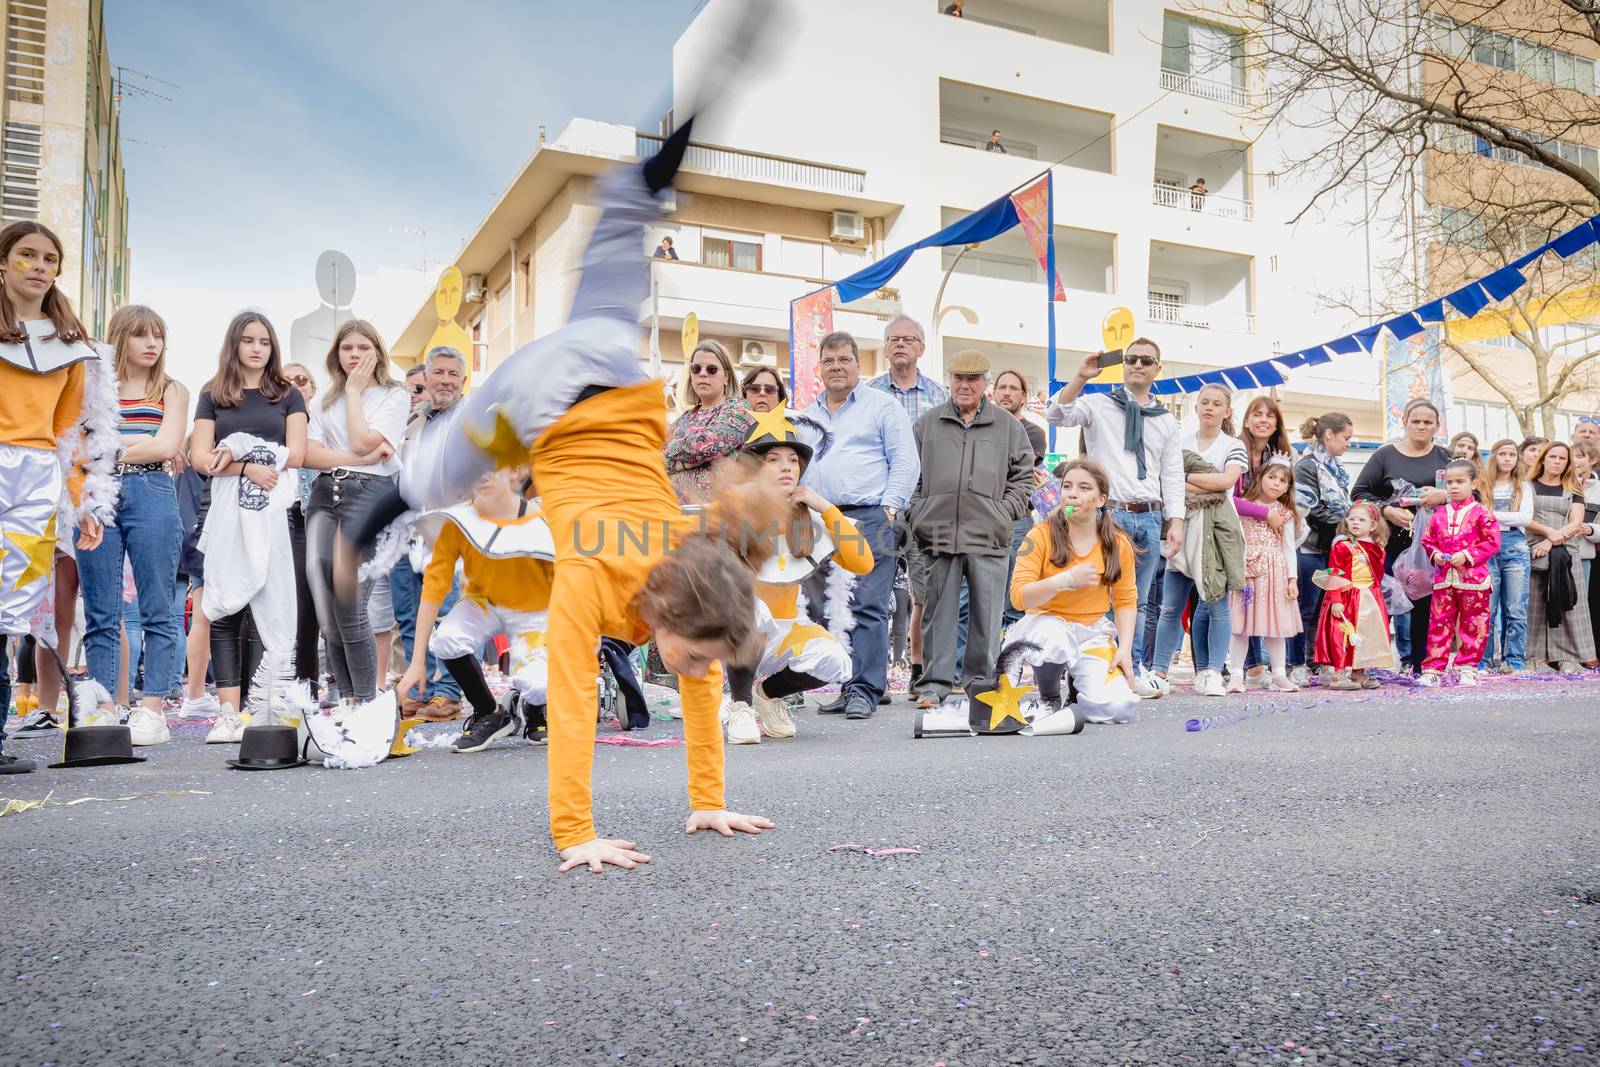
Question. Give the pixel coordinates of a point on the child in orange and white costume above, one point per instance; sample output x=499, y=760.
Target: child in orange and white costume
x=629, y=564
x=1073, y=569
x=797, y=655
x=508, y=557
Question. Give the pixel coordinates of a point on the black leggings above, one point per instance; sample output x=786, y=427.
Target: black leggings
x=305, y=612
x=27, y=665
x=236, y=651
x=785, y=683
x=1048, y=677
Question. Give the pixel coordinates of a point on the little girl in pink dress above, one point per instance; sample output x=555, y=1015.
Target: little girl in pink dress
x=1269, y=605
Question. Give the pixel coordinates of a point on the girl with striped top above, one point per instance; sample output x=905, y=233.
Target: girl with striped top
x=147, y=531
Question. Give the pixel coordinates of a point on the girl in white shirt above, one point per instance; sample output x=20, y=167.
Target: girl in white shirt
x=354, y=436
x=1505, y=488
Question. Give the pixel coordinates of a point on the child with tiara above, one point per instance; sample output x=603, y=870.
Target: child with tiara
x=1353, y=628
x=1268, y=606
x=1461, y=538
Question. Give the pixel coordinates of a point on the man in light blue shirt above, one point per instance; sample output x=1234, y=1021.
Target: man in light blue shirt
x=869, y=470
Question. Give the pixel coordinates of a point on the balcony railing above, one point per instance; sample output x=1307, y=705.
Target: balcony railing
x=971, y=139
x=1179, y=198
x=760, y=167
x=1205, y=88
x=1201, y=317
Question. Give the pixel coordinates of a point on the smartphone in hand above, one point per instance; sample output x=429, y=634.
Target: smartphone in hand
x=1110, y=359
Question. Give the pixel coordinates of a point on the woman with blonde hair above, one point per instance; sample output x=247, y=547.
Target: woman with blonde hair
x=714, y=424
x=1559, y=632
x=148, y=531
x=1503, y=484
x=354, y=439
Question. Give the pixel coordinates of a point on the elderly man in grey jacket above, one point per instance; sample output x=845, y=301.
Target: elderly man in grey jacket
x=977, y=476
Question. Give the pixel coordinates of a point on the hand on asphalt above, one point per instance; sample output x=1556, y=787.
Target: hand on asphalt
x=601, y=851
x=726, y=822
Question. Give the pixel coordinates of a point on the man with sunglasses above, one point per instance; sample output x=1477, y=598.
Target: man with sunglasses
x=417, y=385
x=1136, y=439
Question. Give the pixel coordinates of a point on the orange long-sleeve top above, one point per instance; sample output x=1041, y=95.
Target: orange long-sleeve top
x=520, y=583
x=850, y=549
x=613, y=515
x=36, y=409
x=1086, y=605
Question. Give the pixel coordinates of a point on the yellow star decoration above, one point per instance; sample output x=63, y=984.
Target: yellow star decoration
x=502, y=443
x=799, y=636
x=534, y=639
x=400, y=749
x=775, y=422
x=39, y=549
x=1107, y=653
x=1005, y=702
x=480, y=599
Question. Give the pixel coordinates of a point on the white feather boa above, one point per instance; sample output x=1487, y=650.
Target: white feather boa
x=393, y=545
x=94, y=442
x=837, y=590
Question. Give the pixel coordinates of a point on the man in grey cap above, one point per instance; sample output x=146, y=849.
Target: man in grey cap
x=977, y=476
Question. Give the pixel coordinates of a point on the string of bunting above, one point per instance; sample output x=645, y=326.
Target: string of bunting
x=1466, y=301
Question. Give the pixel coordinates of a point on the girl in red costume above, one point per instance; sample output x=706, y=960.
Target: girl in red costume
x=1353, y=629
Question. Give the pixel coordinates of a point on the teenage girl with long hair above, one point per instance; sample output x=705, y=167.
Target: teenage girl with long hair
x=354, y=439
x=147, y=532
x=251, y=406
x=1263, y=433
x=1504, y=487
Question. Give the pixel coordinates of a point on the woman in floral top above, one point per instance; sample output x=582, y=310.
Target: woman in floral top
x=714, y=425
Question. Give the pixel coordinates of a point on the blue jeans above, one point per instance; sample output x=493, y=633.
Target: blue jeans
x=1210, y=629
x=135, y=632
x=1508, y=578
x=1144, y=530
x=1310, y=605
x=405, y=593
x=149, y=533
x=1019, y=534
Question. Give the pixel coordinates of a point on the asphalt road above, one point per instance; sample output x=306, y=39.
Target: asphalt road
x=1352, y=878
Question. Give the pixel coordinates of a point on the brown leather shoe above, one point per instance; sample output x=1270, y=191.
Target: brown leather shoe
x=439, y=709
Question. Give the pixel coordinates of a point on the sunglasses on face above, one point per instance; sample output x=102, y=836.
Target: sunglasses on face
x=300, y=379
x=1141, y=361
x=418, y=389
x=704, y=368
x=761, y=389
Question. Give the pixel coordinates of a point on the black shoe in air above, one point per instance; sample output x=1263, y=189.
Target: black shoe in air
x=484, y=730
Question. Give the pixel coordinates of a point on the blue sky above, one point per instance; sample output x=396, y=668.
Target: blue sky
x=302, y=126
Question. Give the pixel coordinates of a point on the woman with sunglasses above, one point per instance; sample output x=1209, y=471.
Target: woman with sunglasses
x=307, y=662
x=763, y=389
x=713, y=426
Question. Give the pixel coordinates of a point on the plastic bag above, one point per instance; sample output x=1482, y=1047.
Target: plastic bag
x=1394, y=596
x=1412, y=567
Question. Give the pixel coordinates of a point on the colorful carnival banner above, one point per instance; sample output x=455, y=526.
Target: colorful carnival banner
x=1033, y=208
x=991, y=220
x=810, y=320
x=1414, y=368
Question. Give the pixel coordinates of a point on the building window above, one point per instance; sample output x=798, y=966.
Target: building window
x=23, y=156
x=25, y=51
x=1549, y=65
x=730, y=251
x=1451, y=139
x=1201, y=59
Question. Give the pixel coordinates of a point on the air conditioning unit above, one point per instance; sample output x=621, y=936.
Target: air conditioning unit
x=757, y=354
x=847, y=226
x=477, y=289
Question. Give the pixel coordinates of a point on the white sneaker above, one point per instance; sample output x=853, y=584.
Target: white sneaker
x=1235, y=683
x=1279, y=684
x=229, y=729
x=1214, y=685
x=148, y=727
x=1428, y=680
x=1255, y=678
x=1300, y=676
x=723, y=712
x=1468, y=677
x=773, y=716
x=199, y=707
x=742, y=728
x=1145, y=686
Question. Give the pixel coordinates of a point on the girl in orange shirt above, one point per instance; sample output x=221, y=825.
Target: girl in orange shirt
x=1073, y=569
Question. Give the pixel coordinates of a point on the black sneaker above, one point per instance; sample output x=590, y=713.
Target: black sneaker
x=38, y=724
x=533, y=724
x=484, y=730
x=15, y=764
x=858, y=707
x=833, y=707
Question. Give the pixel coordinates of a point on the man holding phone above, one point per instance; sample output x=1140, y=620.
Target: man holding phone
x=1135, y=438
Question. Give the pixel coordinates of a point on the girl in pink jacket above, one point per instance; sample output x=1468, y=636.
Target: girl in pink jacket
x=1461, y=538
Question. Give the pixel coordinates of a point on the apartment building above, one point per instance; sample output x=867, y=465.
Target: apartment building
x=62, y=158
x=1517, y=51
x=868, y=129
